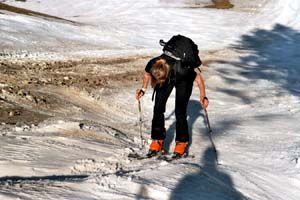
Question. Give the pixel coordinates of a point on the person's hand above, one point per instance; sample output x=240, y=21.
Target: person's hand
x=139, y=93
x=204, y=102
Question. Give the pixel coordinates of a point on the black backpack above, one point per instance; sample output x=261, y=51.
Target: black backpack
x=183, y=48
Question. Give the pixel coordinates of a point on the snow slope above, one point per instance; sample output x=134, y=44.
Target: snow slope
x=134, y=25
x=251, y=75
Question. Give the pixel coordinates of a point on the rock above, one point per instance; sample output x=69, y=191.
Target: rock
x=21, y=93
x=26, y=128
x=3, y=91
x=14, y=113
x=3, y=85
x=11, y=113
x=19, y=129
x=31, y=98
x=81, y=125
x=43, y=80
x=42, y=100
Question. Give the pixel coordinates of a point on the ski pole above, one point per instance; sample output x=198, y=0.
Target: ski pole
x=141, y=121
x=210, y=136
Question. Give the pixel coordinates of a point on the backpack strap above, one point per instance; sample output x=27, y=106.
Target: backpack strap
x=177, y=66
x=154, y=91
x=170, y=54
x=199, y=69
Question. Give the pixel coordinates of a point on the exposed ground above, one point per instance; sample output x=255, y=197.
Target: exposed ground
x=28, y=89
x=221, y=4
x=30, y=12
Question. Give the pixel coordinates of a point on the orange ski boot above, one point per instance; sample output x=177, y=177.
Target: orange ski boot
x=155, y=147
x=179, y=150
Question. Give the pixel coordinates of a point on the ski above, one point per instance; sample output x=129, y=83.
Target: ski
x=149, y=155
x=138, y=156
x=174, y=157
x=162, y=157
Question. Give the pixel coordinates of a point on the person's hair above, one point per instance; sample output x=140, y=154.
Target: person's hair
x=159, y=72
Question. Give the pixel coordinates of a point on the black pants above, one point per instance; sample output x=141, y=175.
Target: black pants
x=183, y=93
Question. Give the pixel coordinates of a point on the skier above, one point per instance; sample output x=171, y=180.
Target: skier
x=166, y=72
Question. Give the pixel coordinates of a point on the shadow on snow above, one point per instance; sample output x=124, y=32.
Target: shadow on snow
x=59, y=178
x=272, y=55
x=209, y=182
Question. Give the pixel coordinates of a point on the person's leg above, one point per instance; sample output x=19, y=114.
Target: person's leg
x=183, y=93
x=158, y=131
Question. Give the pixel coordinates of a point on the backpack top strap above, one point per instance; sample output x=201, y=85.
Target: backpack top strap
x=170, y=54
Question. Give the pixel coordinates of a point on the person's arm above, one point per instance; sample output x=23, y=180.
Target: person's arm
x=203, y=99
x=141, y=92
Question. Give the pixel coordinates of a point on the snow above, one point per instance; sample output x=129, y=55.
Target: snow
x=252, y=84
x=134, y=25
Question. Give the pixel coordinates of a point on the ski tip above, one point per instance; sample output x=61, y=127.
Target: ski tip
x=138, y=156
x=135, y=156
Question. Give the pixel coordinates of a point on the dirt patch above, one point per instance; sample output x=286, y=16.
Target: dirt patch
x=220, y=4
x=85, y=73
x=31, y=13
x=28, y=88
x=16, y=115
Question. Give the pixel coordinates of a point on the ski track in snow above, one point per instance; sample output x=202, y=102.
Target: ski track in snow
x=252, y=83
